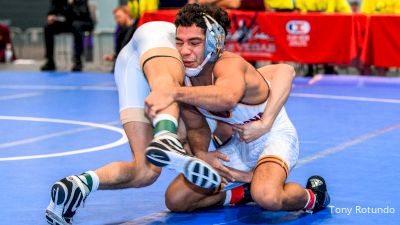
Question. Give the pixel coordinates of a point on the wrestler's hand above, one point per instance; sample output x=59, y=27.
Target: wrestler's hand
x=241, y=176
x=213, y=158
x=251, y=131
x=157, y=101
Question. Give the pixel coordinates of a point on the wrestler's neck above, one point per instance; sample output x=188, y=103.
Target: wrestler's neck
x=205, y=77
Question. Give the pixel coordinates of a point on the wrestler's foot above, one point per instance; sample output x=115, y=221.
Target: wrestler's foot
x=318, y=186
x=66, y=196
x=167, y=151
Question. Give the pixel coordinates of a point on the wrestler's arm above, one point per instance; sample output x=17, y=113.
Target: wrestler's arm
x=227, y=91
x=197, y=131
x=281, y=77
x=199, y=136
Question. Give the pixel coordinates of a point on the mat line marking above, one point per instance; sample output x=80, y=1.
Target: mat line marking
x=18, y=96
x=123, y=139
x=345, y=145
x=59, y=87
x=346, y=98
x=51, y=135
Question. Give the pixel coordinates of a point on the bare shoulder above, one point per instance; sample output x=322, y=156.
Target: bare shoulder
x=227, y=56
x=269, y=71
x=230, y=62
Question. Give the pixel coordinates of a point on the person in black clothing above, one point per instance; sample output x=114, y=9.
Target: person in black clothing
x=126, y=28
x=67, y=16
x=5, y=40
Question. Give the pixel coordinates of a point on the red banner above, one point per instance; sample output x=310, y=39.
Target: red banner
x=292, y=37
x=309, y=38
x=382, y=41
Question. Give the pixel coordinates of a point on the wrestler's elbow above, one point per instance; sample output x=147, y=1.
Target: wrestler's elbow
x=288, y=70
x=230, y=101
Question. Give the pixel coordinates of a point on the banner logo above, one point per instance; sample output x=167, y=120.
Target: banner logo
x=298, y=33
x=298, y=27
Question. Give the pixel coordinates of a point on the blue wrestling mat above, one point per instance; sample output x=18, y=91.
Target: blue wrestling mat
x=57, y=124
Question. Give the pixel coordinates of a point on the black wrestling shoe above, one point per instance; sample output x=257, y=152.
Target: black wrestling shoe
x=167, y=151
x=67, y=195
x=318, y=186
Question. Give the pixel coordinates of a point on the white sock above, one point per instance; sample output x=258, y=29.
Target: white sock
x=228, y=197
x=95, y=181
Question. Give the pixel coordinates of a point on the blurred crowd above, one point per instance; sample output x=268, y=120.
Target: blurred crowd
x=75, y=16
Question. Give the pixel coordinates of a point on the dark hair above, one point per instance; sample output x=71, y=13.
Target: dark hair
x=193, y=14
x=123, y=8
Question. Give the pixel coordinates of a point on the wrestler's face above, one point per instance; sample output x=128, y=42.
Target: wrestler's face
x=190, y=44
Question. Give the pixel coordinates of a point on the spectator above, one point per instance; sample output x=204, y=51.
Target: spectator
x=67, y=16
x=326, y=6
x=380, y=6
x=355, y=5
x=4, y=41
x=279, y=5
x=138, y=7
x=126, y=28
x=254, y=5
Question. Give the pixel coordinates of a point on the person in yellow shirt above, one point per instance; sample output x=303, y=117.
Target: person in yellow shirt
x=279, y=5
x=253, y=5
x=329, y=6
x=138, y=7
x=380, y=6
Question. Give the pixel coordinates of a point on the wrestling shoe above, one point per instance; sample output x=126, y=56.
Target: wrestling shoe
x=167, y=151
x=318, y=186
x=66, y=196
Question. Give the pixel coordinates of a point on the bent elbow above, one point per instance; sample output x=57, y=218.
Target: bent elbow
x=225, y=105
x=286, y=69
x=291, y=71
x=231, y=101
x=230, y=105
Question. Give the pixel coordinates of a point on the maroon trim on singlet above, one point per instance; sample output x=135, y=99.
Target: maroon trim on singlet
x=222, y=114
x=269, y=90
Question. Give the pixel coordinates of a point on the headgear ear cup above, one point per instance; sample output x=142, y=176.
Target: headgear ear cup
x=215, y=38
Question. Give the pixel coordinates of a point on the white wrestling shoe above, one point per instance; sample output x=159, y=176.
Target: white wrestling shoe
x=66, y=196
x=167, y=151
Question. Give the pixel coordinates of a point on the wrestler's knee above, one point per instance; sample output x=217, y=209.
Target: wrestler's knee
x=268, y=200
x=144, y=175
x=176, y=198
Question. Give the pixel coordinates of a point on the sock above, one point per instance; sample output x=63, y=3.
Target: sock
x=228, y=197
x=91, y=179
x=234, y=196
x=311, y=200
x=164, y=123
